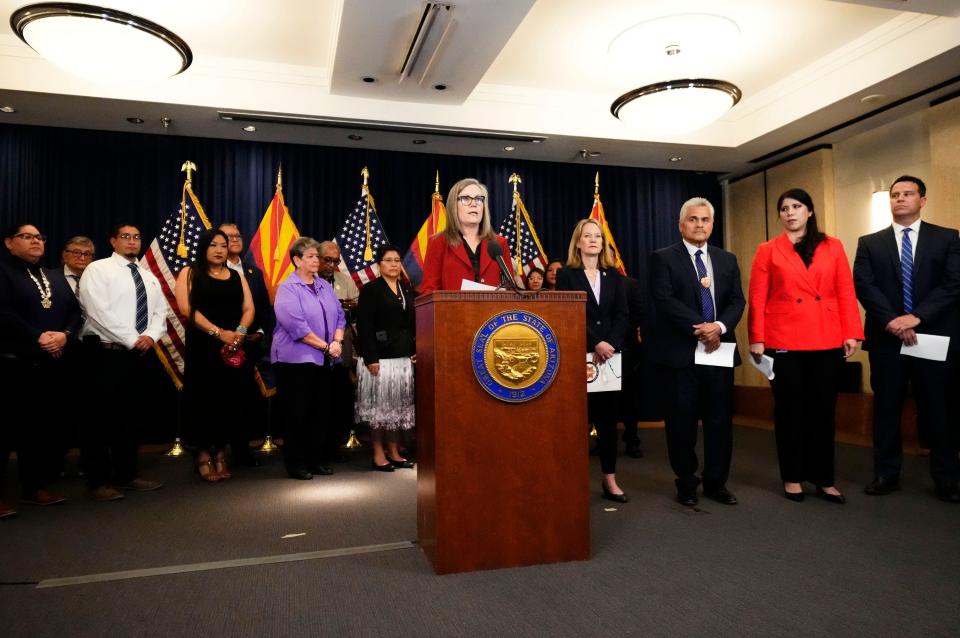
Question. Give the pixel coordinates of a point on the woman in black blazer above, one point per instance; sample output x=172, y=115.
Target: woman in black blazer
x=385, y=323
x=589, y=269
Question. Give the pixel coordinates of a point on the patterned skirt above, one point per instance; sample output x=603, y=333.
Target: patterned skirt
x=386, y=401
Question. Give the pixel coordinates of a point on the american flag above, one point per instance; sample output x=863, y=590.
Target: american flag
x=189, y=222
x=530, y=253
x=352, y=240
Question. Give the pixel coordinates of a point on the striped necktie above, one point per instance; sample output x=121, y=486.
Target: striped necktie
x=906, y=270
x=76, y=284
x=141, y=298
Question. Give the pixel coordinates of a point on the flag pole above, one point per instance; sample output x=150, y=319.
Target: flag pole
x=367, y=251
x=517, y=261
x=278, y=219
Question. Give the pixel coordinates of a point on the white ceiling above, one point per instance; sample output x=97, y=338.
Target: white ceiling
x=539, y=67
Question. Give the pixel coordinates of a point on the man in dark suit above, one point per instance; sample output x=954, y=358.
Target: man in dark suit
x=908, y=280
x=698, y=299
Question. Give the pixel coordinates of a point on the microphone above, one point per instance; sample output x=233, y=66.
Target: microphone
x=496, y=253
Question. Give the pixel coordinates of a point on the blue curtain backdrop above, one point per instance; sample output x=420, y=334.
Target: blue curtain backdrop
x=70, y=182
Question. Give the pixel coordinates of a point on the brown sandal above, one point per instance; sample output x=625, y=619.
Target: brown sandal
x=206, y=471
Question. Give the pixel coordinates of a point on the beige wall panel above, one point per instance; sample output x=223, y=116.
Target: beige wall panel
x=943, y=198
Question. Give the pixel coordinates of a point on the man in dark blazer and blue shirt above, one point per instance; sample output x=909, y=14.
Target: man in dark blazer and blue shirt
x=699, y=299
x=908, y=280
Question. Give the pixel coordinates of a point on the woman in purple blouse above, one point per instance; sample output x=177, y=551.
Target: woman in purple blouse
x=307, y=340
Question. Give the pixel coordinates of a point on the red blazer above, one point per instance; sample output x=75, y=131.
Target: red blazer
x=793, y=307
x=446, y=267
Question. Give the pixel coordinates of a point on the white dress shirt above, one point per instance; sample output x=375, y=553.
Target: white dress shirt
x=72, y=278
x=109, y=298
x=914, y=233
x=708, y=264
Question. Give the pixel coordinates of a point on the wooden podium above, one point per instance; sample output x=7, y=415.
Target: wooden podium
x=499, y=484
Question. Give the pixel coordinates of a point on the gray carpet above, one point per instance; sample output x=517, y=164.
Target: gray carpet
x=885, y=566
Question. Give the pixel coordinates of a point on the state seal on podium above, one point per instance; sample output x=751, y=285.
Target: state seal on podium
x=515, y=356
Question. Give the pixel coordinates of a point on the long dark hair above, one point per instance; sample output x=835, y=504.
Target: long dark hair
x=809, y=242
x=199, y=270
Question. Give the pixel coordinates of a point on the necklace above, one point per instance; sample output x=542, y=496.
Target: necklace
x=46, y=292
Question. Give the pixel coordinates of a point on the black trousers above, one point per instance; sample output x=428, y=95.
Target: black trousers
x=116, y=414
x=304, y=392
x=31, y=391
x=692, y=393
x=933, y=385
x=805, y=389
x=603, y=408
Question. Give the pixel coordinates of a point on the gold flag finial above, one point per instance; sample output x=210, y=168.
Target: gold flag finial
x=366, y=176
x=280, y=177
x=189, y=167
x=596, y=185
x=515, y=179
x=436, y=185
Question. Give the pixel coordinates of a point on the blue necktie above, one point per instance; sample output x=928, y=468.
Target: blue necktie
x=906, y=270
x=141, y=298
x=706, y=301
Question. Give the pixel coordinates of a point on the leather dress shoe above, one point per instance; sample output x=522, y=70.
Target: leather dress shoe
x=321, y=470
x=44, y=497
x=106, y=493
x=882, y=485
x=948, y=493
x=142, y=485
x=386, y=467
x=401, y=465
x=634, y=451
x=6, y=511
x=839, y=499
x=721, y=495
x=610, y=496
x=300, y=475
x=796, y=497
x=687, y=499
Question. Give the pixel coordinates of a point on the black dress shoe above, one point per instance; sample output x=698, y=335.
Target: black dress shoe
x=610, y=496
x=300, y=475
x=634, y=451
x=796, y=497
x=401, y=465
x=321, y=470
x=386, y=467
x=687, y=499
x=833, y=498
x=882, y=485
x=721, y=495
x=948, y=493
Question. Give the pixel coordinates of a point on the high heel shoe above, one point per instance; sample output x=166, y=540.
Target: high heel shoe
x=402, y=464
x=796, y=497
x=386, y=467
x=833, y=498
x=610, y=496
x=220, y=465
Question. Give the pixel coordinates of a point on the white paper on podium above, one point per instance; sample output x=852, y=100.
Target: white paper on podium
x=765, y=366
x=721, y=357
x=933, y=347
x=469, y=284
x=604, y=377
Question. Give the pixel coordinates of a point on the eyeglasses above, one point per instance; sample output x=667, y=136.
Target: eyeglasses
x=31, y=236
x=83, y=254
x=331, y=260
x=466, y=200
x=236, y=237
x=126, y=236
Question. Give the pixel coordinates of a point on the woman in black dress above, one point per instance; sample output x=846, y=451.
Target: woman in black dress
x=589, y=269
x=217, y=302
x=385, y=397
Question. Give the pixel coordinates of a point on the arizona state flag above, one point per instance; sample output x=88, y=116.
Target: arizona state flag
x=435, y=223
x=270, y=246
x=597, y=214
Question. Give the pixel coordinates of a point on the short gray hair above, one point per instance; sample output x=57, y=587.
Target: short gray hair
x=79, y=240
x=302, y=245
x=695, y=201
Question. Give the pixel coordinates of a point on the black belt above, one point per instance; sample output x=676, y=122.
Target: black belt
x=113, y=346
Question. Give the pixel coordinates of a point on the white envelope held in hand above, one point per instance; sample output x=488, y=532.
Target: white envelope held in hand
x=765, y=366
x=722, y=356
x=933, y=347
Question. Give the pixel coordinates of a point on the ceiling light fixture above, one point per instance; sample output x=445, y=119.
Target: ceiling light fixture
x=419, y=141
x=676, y=106
x=100, y=44
x=8, y=109
x=354, y=137
x=509, y=149
x=676, y=158
x=250, y=128
x=135, y=120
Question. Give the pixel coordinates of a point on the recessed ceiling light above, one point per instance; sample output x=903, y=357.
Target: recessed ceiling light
x=873, y=97
x=594, y=153
x=509, y=148
x=419, y=141
x=676, y=106
x=676, y=158
x=354, y=137
x=440, y=87
x=101, y=44
x=135, y=120
x=536, y=141
x=369, y=79
x=8, y=109
x=249, y=128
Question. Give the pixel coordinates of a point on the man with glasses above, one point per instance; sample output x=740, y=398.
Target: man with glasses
x=342, y=376
x=38, y=318
x=126, y=314
x=77, y=255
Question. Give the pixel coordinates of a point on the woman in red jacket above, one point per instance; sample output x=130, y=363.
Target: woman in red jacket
x=460, y=251
x=803, y=313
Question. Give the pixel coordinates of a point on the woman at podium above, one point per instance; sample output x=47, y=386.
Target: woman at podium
x=590, y=270
x=460, y=252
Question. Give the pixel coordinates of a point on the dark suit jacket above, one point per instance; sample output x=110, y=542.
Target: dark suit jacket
x=446, y=267
x=675, y=288
x=264, y=317
x=936, y=284
x=608, y=320
x=386, y=329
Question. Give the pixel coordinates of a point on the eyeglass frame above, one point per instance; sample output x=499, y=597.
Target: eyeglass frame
x=129, y=236
x=84, y=254
x=30, y=237
x=467, y=200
